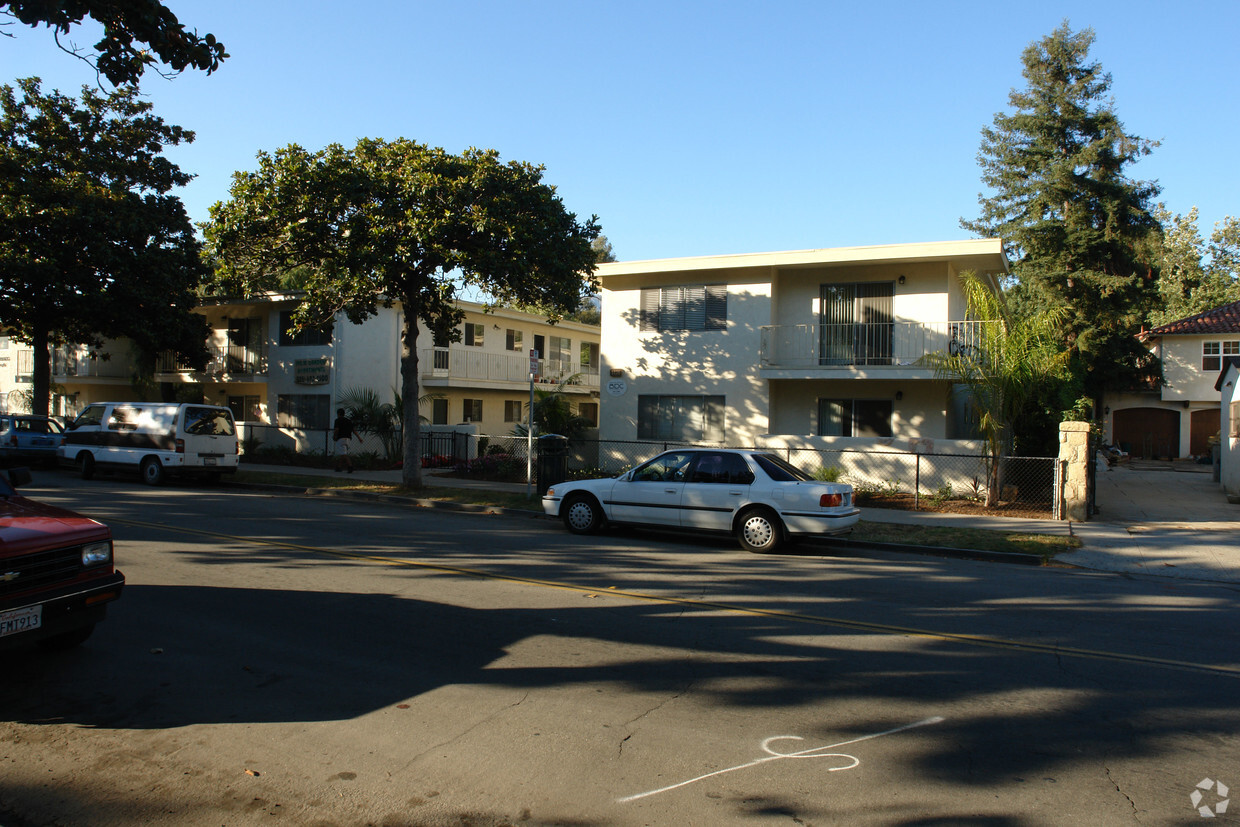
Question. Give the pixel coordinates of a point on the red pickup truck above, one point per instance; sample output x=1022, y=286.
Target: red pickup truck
x=56, y=571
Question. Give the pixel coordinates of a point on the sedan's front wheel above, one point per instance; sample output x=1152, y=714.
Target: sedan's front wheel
x=582, y=515
x=759, y=530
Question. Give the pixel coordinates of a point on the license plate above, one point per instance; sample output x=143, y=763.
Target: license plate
x=21, y=620
x=208, y=460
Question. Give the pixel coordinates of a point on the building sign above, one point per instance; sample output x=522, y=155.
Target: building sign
x=311, y=371
x=617, y=387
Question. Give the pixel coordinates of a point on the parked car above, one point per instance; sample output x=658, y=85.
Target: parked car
x=25, y=438
x=756, y=496
x=56, y=571
x=156, y=440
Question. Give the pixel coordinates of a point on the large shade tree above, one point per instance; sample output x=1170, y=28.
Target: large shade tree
x=1081, y=231
x=137, y=34
x=400, y=221
x=93, y=245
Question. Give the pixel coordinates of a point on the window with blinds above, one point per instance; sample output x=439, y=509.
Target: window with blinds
x=688, y=307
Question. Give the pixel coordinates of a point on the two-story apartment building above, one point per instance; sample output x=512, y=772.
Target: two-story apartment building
x=816, y=346
x=1178, y=420
x=277, y=380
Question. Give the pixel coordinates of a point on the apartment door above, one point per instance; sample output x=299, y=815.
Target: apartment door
x=855, y=323
x=245, y=337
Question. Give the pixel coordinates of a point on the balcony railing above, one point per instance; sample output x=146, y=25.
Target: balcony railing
x=471, y=364
x=879, y=344
x=231, y=360
x=68, y=364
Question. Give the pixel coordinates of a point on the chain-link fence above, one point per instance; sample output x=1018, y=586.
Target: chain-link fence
x=925, y=477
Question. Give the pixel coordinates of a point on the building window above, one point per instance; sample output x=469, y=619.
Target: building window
x=472, y=410
x=439, y=411
x=854, y=417
x=512, y=339
x=246, y=408
x=308, y=411
x=681, y=418
x=307, y=337
x=1212, y=354
x=474, y=334
x=589, y=358
x=695, y=307
x=589, y=412
x=512, y=411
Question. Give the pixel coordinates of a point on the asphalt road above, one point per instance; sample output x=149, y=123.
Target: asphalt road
x=314, y=661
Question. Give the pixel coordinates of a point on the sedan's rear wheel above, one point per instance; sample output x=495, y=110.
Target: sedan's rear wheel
x=759, y=530
x=582, y=514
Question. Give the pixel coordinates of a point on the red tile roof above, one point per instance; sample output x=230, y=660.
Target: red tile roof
x=1225, y=319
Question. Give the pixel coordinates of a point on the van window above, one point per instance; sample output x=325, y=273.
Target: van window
x=209, y=422
x=93, y=415
x=124, y=419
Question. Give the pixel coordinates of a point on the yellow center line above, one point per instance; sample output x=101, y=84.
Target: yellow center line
x=795, y=617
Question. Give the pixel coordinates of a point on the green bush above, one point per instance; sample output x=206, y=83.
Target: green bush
x=827, y=473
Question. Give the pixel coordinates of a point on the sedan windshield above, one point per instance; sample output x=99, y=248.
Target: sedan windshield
x=780, y=469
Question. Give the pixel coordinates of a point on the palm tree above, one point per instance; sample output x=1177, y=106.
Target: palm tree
x=553, y=413
x=1002, y=362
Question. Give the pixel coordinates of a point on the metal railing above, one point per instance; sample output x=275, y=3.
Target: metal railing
x=872, y=344
x=233, y=360
x=477, y=365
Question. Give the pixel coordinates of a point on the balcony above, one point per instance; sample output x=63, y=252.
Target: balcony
x=78, y=363
x=886, y=347
x=226, y=360
x=465, y=365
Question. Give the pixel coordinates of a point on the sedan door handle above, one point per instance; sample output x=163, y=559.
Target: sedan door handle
x=669, y=490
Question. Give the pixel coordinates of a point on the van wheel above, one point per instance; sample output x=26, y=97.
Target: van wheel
x=86, y=465
x=152, y=471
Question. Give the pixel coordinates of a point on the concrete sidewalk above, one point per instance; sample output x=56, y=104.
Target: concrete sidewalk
x=1165, y=520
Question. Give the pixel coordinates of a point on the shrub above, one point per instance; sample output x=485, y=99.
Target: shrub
x=827, y=473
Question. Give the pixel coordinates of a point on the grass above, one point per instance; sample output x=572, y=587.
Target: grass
x=974, y=539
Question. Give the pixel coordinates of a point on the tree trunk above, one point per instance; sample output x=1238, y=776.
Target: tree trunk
x=411, y=471
x=41, y=379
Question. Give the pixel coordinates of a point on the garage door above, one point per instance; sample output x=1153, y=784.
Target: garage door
x=1148, y=433
x=1204, y=424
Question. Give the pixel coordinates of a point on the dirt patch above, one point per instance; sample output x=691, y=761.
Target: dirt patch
x=906, y=502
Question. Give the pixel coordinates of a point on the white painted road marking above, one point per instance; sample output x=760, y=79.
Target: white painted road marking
x=772, y=755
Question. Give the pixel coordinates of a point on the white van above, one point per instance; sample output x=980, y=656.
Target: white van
x=153, y=438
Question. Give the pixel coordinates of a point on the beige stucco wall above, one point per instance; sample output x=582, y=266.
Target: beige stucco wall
x=681, y=363
x=921, y=411
x=1181, y=358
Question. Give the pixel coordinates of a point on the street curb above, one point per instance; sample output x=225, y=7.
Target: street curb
x=978, y=555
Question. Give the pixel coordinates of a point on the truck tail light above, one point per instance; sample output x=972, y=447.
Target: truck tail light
x=831, y=500
x=180, y=446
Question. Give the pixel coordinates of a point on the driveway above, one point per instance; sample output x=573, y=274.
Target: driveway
x=1169, y=519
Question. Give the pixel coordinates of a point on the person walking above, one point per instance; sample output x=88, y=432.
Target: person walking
x=342, y=432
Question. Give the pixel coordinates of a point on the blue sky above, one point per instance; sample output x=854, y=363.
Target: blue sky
x=692, y=128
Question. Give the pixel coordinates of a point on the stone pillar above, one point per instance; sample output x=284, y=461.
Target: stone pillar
x=1074, y=452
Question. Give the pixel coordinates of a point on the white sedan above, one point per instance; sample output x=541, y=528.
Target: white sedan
x=756, y=496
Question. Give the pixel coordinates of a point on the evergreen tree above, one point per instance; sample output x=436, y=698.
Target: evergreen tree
x=1194, y=276
x=1081, y=232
